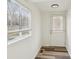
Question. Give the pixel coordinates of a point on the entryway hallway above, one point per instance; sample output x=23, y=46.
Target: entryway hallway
x=47, y=34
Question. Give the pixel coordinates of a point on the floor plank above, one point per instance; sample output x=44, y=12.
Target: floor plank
x=53, y=53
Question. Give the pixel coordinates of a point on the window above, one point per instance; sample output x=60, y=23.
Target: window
x=18, y=20
x=57, y=23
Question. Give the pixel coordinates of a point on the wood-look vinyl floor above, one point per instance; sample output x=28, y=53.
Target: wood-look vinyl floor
x=53, y=53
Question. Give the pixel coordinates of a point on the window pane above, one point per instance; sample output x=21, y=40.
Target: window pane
x=58, y=23
x=13, y=16
x=13, y=35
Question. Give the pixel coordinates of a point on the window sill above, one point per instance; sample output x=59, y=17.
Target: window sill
x=18, y=39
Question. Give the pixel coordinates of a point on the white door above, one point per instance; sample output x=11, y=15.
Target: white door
x=57, y=31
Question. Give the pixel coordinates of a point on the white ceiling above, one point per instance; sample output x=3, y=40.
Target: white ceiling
x=45, y=5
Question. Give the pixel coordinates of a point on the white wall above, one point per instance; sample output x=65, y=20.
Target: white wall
x=45, y=28
x=28, y=48
x=46, y=16
x=68, y=33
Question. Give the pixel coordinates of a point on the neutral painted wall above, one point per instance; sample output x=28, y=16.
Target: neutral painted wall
x=59, y=38
x=28, y=48
x=68, y=32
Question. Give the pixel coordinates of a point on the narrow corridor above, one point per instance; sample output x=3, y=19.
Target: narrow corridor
x=32, y=24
